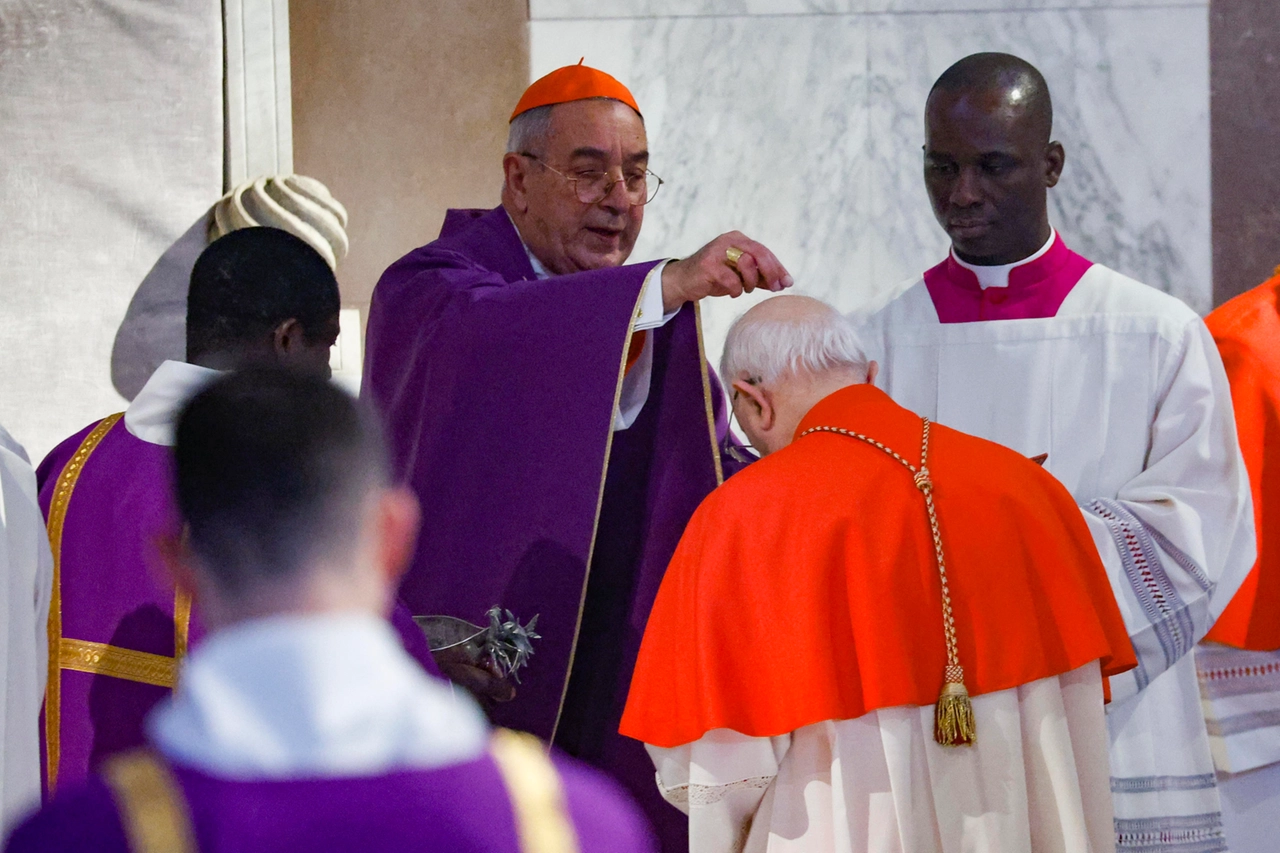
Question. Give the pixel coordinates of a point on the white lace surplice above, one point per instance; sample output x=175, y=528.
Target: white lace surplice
x=1035, y=780
x=1125, y=391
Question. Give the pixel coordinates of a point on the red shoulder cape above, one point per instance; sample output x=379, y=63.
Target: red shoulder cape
x=806, y=589
x=1247, y=331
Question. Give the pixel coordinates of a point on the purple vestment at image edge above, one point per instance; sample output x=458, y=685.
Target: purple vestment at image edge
x=113, y=591
x=498, y=391
x=459, y=809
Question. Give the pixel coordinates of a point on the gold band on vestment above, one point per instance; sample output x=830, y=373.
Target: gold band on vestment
x=57, y=518
x=153, y=810
x=83, y=655
x=537, y=795
x=118, y=662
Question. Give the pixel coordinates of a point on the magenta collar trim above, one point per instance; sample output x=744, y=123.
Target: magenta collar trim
x=1036, y=290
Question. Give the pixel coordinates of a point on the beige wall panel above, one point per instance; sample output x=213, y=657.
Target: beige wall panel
x=401, y=109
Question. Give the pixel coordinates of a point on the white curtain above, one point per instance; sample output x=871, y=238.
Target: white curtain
x=121, y=122
x=111, y=133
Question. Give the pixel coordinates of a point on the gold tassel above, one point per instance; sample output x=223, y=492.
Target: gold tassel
x=953, y=723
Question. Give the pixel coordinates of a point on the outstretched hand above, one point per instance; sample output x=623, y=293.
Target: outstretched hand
x=709, y=271
x=484, y=681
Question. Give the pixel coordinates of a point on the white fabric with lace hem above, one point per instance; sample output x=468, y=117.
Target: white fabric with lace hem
x=1037, y=779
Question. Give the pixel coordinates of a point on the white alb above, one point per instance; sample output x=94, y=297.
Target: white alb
x=1125, y=391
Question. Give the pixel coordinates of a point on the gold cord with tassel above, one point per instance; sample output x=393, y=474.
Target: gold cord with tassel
x=953, y=723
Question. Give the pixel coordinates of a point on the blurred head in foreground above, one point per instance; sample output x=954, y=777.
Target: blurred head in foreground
x=282, y=481
x=781, y=358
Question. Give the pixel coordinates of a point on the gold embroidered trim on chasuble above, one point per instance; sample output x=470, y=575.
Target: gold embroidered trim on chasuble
x=595, y=523
x=153, y=810
x=537, y=797
x=707, y=400
x=83, y=655
x=102, y=659
x=709, y=408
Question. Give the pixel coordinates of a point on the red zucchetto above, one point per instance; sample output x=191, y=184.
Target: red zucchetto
x=573, y=83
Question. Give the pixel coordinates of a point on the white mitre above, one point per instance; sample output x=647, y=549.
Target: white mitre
x=295, y=203
x=154, y=329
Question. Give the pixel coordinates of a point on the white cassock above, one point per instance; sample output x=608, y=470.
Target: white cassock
x=1124, y=389
x=26, y=582
x=1035, y=780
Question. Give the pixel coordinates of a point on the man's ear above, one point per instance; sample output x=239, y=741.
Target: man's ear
x=1055, y=157
x=288, y=339
x=515, y=172
x=398, y=517
x=759, y=402
x=873, y=370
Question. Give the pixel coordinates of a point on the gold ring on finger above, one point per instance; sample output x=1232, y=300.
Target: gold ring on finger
x=732, y=254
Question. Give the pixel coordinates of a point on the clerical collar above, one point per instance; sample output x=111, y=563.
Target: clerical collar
x=1032, y=288
x=152, y=413
x=538, y=269
x=998, y=276
x=320, y=695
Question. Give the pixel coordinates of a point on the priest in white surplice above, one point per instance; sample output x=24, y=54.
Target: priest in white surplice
x=1016, y=338
x=26, y=577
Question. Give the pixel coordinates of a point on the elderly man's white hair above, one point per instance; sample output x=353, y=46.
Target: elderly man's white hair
x=789, y=335
x=529, y=130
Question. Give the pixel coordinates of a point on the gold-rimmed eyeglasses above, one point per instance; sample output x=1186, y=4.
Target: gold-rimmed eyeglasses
x=593, y=187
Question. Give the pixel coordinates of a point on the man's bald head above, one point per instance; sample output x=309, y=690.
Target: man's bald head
x=988, y=157
x=781, y=358
x=790, y=335
x=1016, y=83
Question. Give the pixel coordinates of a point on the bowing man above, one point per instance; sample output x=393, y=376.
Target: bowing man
x=885, y=635
x=1239, y=659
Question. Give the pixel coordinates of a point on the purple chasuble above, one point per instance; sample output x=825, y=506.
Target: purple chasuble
x=498, y=390
x=112, y=591
x=1036, y=289
x=456, y=809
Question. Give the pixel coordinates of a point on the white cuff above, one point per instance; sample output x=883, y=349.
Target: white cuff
x=650, y=314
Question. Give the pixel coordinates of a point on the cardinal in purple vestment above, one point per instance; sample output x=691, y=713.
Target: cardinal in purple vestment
x=301, y=723
x=552, y=409
x=118, y=628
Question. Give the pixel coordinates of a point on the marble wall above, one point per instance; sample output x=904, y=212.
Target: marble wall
x=800, y=123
